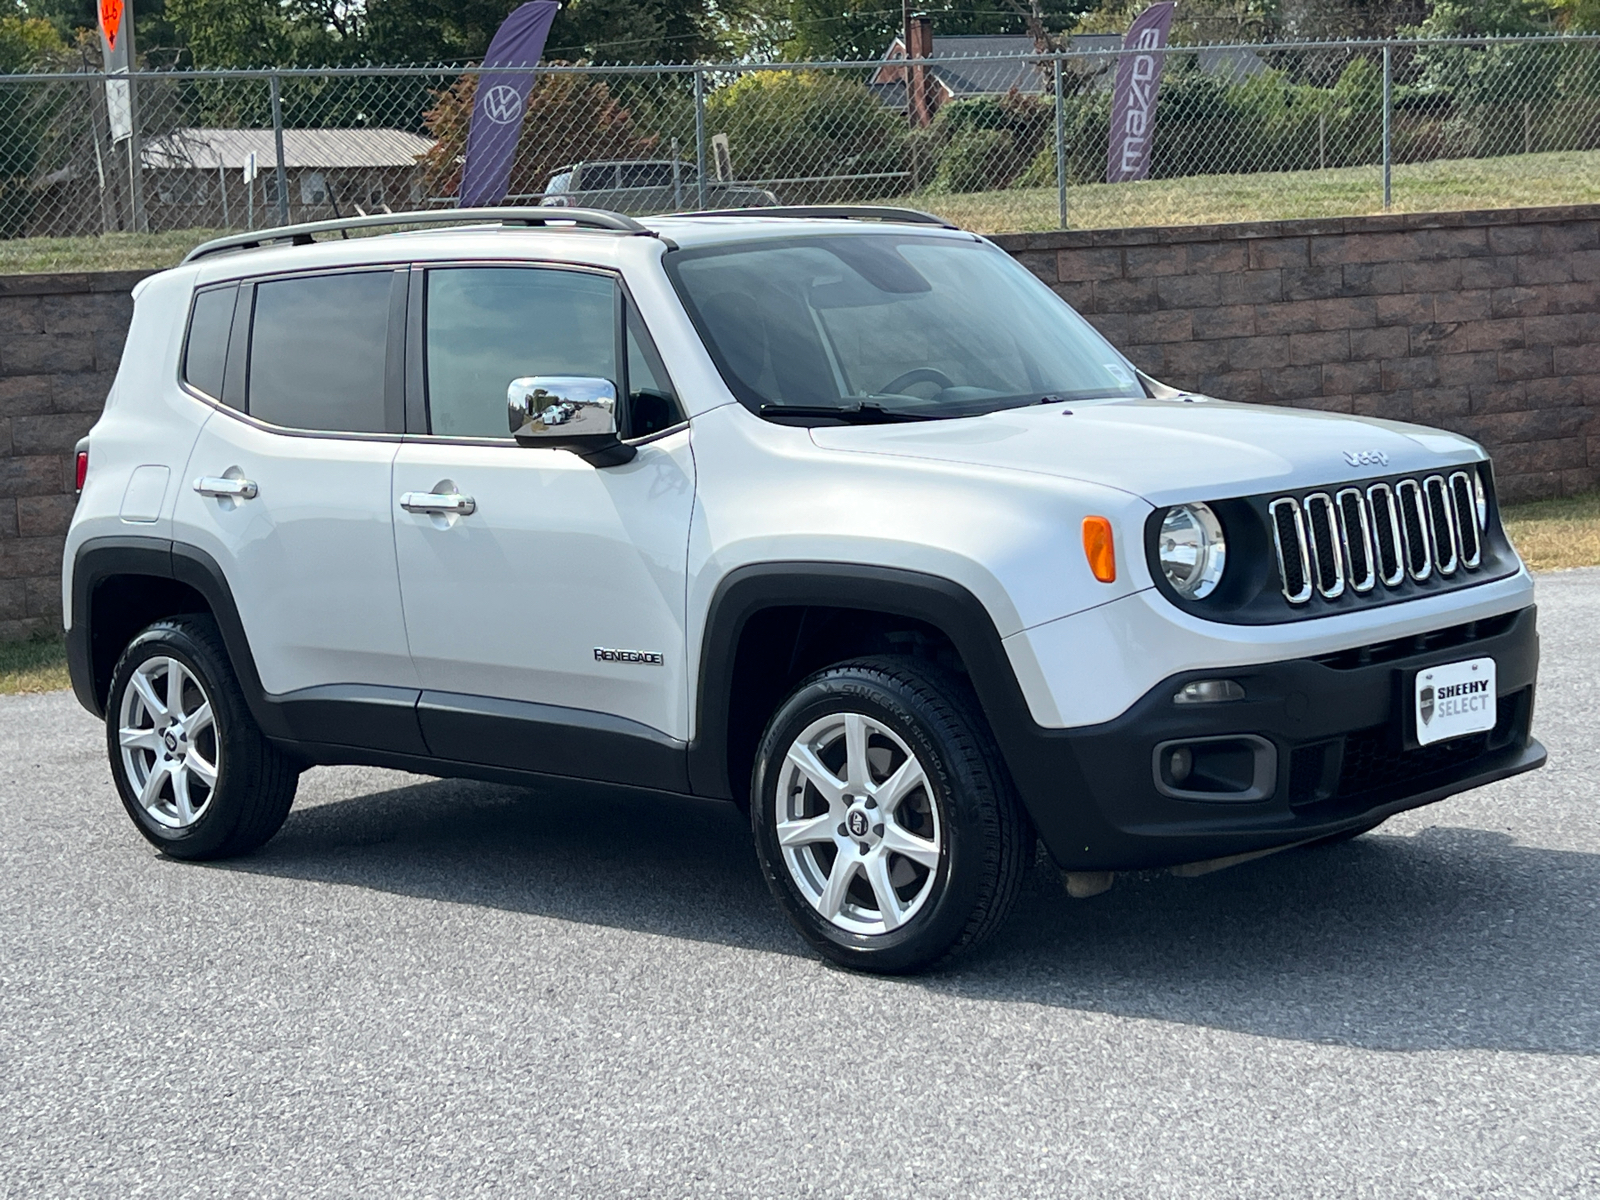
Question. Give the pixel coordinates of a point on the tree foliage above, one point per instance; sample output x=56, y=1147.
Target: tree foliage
x=570, y=118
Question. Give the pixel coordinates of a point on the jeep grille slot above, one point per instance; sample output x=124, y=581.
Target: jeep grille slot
x=1386, y=533
x=1356, y=531
x=1466, y=513
x=1289, y=538
x=1414, y=529
x=1326, y=562
x=1441, y=525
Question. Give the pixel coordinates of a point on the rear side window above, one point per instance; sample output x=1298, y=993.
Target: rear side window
x=205, y=350
x=318, y=346
x=650, y=174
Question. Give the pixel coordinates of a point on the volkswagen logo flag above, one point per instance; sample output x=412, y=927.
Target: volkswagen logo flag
x=501, y=102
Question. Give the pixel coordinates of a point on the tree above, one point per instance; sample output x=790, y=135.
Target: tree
x=570, y=118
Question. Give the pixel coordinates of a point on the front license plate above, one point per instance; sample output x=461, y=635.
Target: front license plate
x=1454, y=700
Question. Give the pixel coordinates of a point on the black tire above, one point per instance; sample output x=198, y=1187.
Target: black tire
x=985, y=838
x=254, y=781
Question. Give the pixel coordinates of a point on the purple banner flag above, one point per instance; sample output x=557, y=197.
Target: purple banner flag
x=1133, y=102
x=501, y=102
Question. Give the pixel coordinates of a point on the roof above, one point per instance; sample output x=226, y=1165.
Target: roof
x=316, y=148
x=563, y=244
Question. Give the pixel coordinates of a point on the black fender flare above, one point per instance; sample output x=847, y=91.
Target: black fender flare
x=102, y=558
x=931, y=599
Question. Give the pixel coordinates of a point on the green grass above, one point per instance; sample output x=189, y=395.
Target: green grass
x=1549, y=534
x=107, y=252
x=39, y=665
x=1518, y=181
x=1552, y=534
x=1527, y=180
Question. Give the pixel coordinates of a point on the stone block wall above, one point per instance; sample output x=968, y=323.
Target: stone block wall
x=1485, y=323
x=60, y=339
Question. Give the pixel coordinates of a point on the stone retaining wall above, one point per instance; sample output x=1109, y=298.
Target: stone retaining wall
x=60, y=339
x=1484, y=323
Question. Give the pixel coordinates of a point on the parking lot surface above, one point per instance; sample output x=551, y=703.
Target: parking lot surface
x=448, y=989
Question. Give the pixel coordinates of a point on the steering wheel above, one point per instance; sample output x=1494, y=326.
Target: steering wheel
x=899, y=383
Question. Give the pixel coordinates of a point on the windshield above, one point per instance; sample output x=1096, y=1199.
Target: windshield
x=909, y=326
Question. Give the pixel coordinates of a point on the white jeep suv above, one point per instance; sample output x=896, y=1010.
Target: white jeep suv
x=841, y=517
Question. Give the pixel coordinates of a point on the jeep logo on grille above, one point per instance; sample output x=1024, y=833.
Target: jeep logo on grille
x=1366, y=458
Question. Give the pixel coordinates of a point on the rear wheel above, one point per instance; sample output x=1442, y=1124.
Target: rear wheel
x=883, y=817
x=194, y=771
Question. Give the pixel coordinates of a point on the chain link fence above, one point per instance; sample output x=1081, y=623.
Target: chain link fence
x=995, y=143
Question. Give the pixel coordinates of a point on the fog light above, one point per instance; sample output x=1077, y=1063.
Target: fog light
x=1180, y=764
x=1209, y=691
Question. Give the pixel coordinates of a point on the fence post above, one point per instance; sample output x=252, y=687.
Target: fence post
x=140, y=220
x=700, y=133
x=277, y=137
x=1061, y=148
x=1388, y=109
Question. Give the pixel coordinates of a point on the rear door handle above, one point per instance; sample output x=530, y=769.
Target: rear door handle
x=438, y=502
x=236, y=489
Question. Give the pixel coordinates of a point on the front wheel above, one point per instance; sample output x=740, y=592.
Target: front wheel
x=883, y=817
x=195, y=772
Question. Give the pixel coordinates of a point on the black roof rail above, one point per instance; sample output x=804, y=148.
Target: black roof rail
x=305, y=235
x=843, y=212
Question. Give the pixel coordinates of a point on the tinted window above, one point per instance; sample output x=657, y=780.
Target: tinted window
x=928, y=326
x=317, y=349
x=597, y=177
x=646, y=175
x=205, y=354
x=490, y=325
x=652, y=406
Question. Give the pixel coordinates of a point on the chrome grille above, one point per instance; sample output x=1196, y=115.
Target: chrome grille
x=1326, y=565
x=1414, y=529
x=1289, y=536
x=1356, y=533
x=1441, y=525
x=1354, y=541
x=1465, y=504
x=1386, y=533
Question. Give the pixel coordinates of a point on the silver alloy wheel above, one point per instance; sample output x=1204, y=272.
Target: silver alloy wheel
x=857, y=823
x=169, y=745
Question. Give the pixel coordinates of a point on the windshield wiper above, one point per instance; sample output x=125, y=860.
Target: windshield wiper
x=862, y=413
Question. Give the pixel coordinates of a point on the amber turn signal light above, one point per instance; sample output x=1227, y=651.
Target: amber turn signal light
x=1099, y=548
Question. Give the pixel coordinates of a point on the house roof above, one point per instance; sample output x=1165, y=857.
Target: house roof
x=1005, y=66
x=315, y=148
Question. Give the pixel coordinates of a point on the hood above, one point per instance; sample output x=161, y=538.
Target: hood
x=1168, y=451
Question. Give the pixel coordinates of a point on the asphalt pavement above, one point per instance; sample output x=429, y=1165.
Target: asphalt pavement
x=426, y=988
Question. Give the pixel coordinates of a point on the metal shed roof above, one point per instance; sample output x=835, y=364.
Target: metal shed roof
x=314, y=148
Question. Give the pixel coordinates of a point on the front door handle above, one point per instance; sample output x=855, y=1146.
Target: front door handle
x=438, y=502
x=233, y=489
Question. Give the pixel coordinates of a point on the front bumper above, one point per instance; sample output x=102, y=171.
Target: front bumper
x=1334, y=726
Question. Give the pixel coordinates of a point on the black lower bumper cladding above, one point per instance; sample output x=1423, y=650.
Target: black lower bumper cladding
x=1338, y=726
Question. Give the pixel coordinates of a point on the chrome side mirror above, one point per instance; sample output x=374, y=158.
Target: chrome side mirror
x=568, y=412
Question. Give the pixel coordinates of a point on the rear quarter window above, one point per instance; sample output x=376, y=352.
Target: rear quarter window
x=318, y=346
x=205, y=346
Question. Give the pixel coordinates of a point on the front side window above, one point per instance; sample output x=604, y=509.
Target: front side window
x=489, y=325
x=887, y=323
x=318, y=345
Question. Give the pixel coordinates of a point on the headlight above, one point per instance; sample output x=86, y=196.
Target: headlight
x=1481, y=496
x=1192, y=549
